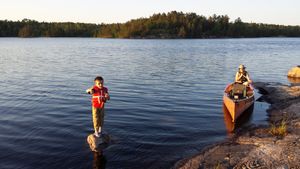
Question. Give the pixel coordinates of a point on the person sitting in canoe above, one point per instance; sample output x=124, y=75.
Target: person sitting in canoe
x=242, y=76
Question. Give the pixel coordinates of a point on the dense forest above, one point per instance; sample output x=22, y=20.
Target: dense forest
x=163, y=25
x=31, y=28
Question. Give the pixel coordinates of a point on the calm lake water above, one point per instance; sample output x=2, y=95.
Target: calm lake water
x=166, y=97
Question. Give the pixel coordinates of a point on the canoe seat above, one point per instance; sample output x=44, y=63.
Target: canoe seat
x=238, y=91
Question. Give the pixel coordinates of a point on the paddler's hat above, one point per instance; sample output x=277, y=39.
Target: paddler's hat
x=242, y=67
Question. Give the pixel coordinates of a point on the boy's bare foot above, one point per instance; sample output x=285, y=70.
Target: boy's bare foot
x=96, y=134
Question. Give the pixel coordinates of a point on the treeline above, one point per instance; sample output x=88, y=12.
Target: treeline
x=190, y=25
x=163, y=25
x=31, y=28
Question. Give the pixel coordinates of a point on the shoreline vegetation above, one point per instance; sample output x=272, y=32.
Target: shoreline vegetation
x=171, y=25
x=276, y=145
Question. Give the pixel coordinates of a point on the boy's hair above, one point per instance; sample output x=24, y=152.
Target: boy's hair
x=99, y=78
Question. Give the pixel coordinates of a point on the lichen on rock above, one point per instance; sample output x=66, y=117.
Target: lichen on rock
x=294, y=72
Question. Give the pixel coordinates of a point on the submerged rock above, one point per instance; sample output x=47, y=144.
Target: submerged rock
x=294, y=72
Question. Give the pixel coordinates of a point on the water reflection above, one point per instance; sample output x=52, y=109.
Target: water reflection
x=244, y=119
x=163, y=92
x=99, y=161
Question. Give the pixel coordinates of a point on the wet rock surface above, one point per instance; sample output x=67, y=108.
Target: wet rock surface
x=255, y=146
x=98, y=144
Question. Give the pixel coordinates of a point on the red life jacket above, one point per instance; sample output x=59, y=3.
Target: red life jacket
x=98, y=98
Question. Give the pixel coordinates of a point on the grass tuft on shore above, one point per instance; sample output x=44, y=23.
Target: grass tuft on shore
x=218, y=166
x=280, y=130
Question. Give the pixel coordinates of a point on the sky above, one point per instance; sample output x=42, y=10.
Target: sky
x=286, y=12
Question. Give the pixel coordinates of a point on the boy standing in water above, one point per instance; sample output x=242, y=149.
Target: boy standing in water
x=100, y=96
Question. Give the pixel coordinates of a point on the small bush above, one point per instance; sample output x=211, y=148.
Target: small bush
x=280, y=130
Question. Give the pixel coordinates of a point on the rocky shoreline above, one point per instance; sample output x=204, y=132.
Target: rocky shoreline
x=276, y=145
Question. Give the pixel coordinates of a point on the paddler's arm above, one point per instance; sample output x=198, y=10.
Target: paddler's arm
x=248, y=78
x=237, y=77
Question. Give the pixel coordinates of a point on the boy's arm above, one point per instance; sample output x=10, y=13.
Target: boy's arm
x=90, y=90
x=107, y=95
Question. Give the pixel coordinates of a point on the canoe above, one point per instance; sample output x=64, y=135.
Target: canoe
x=238, y=98
x=244, y=119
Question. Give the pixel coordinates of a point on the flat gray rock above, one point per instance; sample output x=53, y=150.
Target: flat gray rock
x=97, y=144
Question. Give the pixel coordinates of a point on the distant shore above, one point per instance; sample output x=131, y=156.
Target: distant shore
x=171, y=25
x=276, y=145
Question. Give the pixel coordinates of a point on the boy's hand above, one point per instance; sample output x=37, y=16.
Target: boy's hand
x=106, y=96
x=89, y=91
